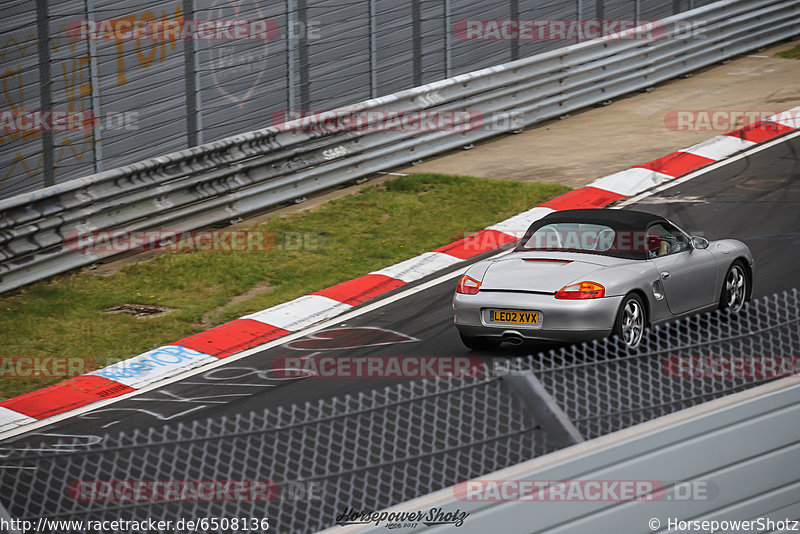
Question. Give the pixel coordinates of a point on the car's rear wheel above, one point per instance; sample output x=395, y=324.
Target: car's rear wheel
x=631, y=321
x=735, y=288
x=480, y=343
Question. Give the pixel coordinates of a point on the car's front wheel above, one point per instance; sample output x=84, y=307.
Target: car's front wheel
x=631, y=321
x=480, y=343
x=734, y=289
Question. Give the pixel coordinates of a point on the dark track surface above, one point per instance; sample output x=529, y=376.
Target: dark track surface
x=755, y=199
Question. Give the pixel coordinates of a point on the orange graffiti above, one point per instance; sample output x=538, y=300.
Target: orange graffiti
x=71, y=76
x=156, y=46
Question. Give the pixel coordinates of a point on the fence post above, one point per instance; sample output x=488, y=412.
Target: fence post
x=94, y=80
x=45, y=87
x=559, y=429
x=448, y=39
x=373, y=49
x=302, y=56
x=514, y=15
x=194, y=123
x=416, y=41
x=6, y=517
x=291, y=52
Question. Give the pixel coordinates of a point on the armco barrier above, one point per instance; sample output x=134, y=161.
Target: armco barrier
x=229, y=179
x=198, y=91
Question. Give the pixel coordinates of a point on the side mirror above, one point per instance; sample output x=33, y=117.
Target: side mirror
x=699, y=242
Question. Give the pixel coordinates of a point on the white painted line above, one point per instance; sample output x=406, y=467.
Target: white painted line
x=518, y=224
x=709, y=168
x=790, y=118
x=10, y=419
x=419, y=266
x=244, y=354
x=631, y=181
x=719, y=147
x=300, y=312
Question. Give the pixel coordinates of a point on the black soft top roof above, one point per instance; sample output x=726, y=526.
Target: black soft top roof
x=623, y=222
x=616, y=219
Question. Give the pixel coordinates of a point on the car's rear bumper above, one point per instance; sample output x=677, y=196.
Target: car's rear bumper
x=561, y=320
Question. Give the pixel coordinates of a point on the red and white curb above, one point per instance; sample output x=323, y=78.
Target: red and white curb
x=266, y=325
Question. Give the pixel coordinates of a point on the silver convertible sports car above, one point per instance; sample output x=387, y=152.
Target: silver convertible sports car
x=584, y=274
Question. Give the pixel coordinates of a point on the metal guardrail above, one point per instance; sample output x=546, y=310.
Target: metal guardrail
x=322, y=55
x=228, y=179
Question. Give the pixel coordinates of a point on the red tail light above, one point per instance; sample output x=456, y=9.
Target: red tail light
x=468, y=286
x=581, y=290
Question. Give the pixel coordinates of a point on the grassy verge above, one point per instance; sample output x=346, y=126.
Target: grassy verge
x=342, y=239
x=792, y=53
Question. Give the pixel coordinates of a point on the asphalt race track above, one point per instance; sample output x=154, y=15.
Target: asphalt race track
x=755, y=199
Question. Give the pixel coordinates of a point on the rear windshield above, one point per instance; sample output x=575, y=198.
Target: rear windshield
x=573, y=237
x=586, y=237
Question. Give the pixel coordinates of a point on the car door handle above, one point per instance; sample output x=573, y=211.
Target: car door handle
x=664, y=275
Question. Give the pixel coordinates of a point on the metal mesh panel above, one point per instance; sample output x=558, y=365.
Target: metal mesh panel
x=603, y=388
x=371, y=451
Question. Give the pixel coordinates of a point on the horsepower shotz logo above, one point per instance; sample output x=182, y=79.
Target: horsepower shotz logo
x=401, y=519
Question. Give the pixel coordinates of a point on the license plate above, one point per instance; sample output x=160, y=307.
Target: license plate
x=514, y=317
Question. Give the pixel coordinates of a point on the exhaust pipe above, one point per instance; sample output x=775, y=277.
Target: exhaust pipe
x=514, y=339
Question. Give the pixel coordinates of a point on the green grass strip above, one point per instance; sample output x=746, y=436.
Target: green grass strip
x=347, y=237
